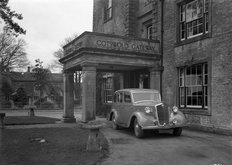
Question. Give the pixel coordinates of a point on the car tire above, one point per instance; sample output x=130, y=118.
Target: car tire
x=139, y=133
x=177, y=131
x=114, y=124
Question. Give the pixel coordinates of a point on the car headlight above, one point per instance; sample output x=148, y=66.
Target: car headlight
x=148, y=110
x=174, y=121
x=175, y=109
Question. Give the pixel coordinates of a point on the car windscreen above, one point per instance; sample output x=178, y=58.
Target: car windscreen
x=143, y=96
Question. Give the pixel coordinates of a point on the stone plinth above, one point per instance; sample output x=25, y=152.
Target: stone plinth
x=93, y=143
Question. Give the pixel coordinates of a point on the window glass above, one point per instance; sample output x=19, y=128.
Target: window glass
x=193, y=93
x=205, y=84
x=115, y=98
x=108, y=10
x=206, y=15
x=181, y=77
x=149, y=32
x=127, y=98
x=143, y=96
x=120, y=97
x=192, y=16
x=182, y=97
x=107, y=89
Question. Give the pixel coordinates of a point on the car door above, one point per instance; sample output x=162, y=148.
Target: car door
x=127, y=108
x=118, y=106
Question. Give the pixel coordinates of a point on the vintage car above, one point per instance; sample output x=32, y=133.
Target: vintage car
x=142, y=109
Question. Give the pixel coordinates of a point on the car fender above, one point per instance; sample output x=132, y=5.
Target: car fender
x=141, y=118
x=179, y=117
x=113, y=111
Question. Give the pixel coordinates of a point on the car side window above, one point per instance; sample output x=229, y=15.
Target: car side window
x=127, y=98
x=115, y=97
x=120, y=97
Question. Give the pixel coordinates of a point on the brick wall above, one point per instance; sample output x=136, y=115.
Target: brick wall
x=216, y=50
x=170, y=71
x=118, y=24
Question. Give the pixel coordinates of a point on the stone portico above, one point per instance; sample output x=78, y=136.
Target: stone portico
x=96, y=52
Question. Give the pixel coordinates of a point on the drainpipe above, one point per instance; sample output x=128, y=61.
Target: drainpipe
x=161, y=47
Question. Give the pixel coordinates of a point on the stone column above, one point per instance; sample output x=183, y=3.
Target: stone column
x=155, y=79
x=89, y=93
x=68, y=116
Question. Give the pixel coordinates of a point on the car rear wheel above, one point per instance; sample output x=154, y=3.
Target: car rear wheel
x=114, y=124
x=177, y=131
x=138, y=130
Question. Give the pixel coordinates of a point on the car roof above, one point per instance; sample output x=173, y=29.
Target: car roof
x=134, y=90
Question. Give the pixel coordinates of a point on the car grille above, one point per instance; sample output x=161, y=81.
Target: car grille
x=163, y=115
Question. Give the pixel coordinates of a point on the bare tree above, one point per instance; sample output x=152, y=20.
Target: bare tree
x=12, y=52
x=60, y=53
x=77, y=75
x=41, y=74
x=56, y=64
x=42, y=78
x=8, y=17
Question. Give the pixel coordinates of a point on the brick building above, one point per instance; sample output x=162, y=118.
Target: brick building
x=196, y=51
x=49, y=97
x=180, y=47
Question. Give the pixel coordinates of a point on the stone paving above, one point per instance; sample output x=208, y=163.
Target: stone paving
x=192, y=148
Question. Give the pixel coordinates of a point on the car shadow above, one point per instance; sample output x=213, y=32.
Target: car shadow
x=149, y=134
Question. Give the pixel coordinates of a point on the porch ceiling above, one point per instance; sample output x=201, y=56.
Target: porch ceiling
x=110, y=52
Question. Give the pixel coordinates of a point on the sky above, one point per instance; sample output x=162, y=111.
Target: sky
x=49, y=22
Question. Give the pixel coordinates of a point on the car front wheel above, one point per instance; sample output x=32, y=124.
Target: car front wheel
x=138, y=130
x=114, y=124
x=177, y=131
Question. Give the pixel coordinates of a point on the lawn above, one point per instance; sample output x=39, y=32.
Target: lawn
x=48, y=146
x=27, y=120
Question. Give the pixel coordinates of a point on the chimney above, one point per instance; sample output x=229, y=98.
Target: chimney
x=28, y=69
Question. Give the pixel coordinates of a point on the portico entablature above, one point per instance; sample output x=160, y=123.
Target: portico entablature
x=110, y=52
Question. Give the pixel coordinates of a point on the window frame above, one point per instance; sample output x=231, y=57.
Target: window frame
x=7, y=98
x=108, y=10
x=183, y=86
x=205, y=33
x=149, y=32
x=107, y=90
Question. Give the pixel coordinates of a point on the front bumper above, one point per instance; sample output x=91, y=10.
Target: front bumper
x=167, y=126
x=149, y=123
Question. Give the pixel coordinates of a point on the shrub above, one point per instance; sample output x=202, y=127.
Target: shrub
x=20, y=97
x=6, y=104
x=47, y=104
x=39, y=102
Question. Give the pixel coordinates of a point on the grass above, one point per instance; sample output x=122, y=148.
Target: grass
x=62, y=146
x=26, y=120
